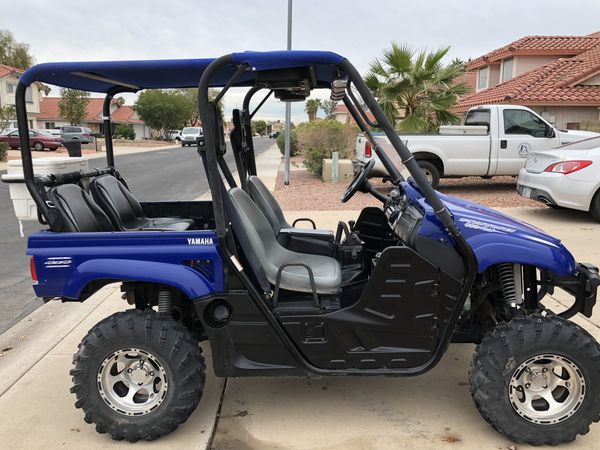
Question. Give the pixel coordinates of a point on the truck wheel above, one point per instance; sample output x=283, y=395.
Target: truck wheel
x=137, y=375
x=431, y=172
x=535, y=379
x=595, y=207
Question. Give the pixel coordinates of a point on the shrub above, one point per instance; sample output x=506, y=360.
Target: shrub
x=319, y=139
x=293, y=143
x=3, y=151
x=124, y=131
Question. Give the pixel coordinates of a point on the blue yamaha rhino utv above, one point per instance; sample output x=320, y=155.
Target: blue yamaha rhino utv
x=384, y=295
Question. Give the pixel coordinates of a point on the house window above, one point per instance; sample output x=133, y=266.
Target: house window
x=520, y=121
x=11, y=88
x=50, y=125
x=572, y=125
x=482, y=79
x=507, y=69
x=28, y=95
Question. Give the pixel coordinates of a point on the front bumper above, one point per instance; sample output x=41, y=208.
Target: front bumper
x=583, y=286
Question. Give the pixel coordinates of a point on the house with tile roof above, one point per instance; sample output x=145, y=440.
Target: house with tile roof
x=556, y=76
x=9, y=78
x=49, y=116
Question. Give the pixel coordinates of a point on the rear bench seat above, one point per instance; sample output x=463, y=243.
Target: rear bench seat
x=125, y=212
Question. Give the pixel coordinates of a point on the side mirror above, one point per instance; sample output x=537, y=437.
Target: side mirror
x=550, y=132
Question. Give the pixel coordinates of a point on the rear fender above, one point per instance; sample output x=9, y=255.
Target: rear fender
x=192, y=283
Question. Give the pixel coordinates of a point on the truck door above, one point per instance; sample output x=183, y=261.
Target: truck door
x=520, y=133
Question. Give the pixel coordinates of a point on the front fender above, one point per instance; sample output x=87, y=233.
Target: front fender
x=184, y=278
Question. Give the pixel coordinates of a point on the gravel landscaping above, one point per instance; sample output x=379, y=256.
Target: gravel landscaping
x=308, y=192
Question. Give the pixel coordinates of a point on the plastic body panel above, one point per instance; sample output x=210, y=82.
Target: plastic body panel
x=67, y=262
x=396, y=323
x=495, y=237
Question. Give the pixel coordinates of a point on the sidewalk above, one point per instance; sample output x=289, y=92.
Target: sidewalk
x=118, y=150
x=431, y=411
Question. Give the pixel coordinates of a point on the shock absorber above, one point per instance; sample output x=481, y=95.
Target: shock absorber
x=165, y=302
x=509, y=276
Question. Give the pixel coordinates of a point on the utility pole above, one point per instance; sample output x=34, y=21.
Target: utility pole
x=288, y=107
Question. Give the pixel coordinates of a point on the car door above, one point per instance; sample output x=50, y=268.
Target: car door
x=13, y=139
x=521, y=132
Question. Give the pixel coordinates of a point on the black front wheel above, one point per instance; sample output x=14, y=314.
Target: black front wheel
x=536, y=380
x=138, y=375
x=431, y=172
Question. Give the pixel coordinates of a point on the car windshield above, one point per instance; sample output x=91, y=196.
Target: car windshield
x=190, y=130
x=586, y=144
x=44, y=132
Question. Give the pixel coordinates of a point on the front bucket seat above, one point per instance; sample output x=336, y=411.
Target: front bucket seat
x=266, y=255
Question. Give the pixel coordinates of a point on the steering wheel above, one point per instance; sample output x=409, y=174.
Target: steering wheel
x=358, y=181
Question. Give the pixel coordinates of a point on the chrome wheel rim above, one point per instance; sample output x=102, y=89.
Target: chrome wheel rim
x=132, y=382
x=547, y=389
x=428, y=175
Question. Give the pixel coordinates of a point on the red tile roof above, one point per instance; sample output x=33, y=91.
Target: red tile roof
x=557, y=82
x=7, y=70
x=341, y=109
x=470, y=79
x=540, y=45
x=123, y=114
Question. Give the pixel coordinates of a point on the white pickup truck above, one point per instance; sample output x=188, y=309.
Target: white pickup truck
x=494, y=140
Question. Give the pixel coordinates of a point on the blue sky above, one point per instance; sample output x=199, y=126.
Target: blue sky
x=69, y=30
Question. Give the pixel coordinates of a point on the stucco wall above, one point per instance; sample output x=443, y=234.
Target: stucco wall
x=561, y=115
x=592, y=81
x=526, y=63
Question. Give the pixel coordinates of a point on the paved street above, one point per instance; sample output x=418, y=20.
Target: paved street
x=171, y=174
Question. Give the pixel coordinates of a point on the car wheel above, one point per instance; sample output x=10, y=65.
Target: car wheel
x=595, y=207
x=14, y=148
x=431, y=172
x=38, y=147
x=536, y=379
x=183, y=144
x=138, y=375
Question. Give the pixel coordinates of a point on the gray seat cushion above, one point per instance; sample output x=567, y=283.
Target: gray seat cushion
x=258, y=242
x=267, y=204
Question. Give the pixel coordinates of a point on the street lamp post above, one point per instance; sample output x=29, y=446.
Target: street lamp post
x=288, y=106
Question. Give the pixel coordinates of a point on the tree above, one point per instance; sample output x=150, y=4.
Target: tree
x=164, y=110
x=259, y=126
x=7, y=115
x=124, y=131
x=417, y=85
x=328, y=107
x=72, y=105
x=13, y=53
x=191, y=95
x=311, y=107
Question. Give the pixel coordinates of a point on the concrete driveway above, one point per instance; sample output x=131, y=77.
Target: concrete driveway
x=430, y=412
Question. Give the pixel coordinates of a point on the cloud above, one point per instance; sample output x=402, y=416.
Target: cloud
x=70, y=30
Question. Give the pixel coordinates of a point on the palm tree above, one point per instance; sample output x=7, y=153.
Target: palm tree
x=417, y=85
x=311, y=107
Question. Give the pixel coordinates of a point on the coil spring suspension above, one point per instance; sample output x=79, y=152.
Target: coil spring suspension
x=165, y=302
x=506, y=276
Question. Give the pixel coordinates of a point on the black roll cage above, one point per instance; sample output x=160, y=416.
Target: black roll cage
x=382, y=122
x=212, y=157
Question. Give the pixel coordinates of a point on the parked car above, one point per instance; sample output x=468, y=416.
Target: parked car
x=174, y=135
x=567, y=177
x=71, y=133
x=53, y=131
x=38, y=140
x=494, y=140
x=274, y=135
x=189, y=135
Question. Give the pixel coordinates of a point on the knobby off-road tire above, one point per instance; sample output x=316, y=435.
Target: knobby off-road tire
x=142, y=352
x=524, y=356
